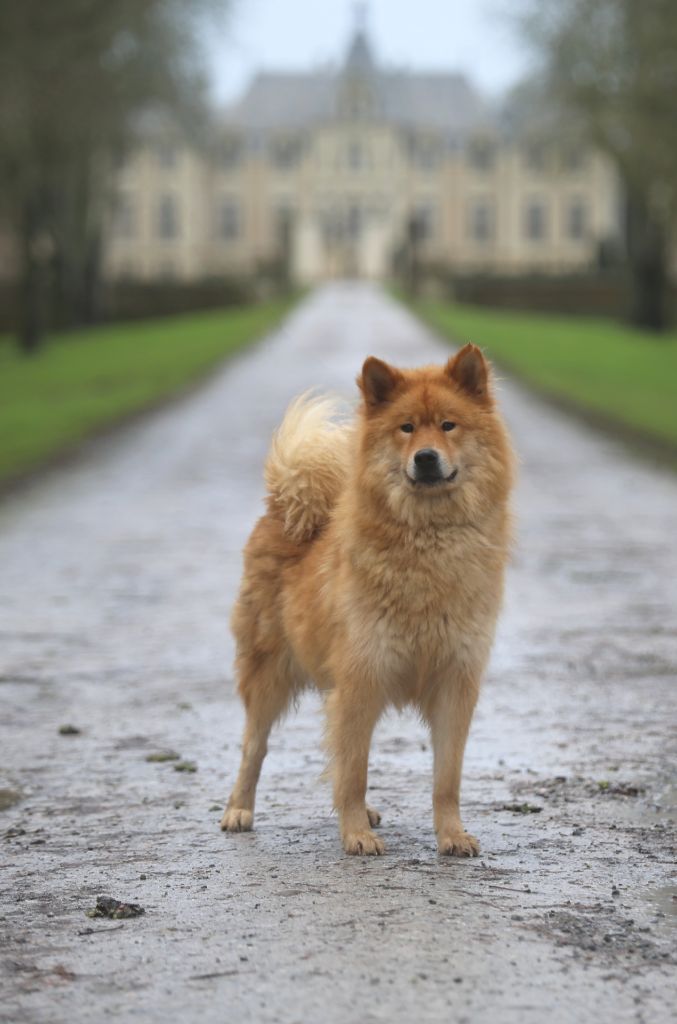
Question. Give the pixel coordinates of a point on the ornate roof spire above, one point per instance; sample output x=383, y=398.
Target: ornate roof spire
x=360, y=57
x=359, y=89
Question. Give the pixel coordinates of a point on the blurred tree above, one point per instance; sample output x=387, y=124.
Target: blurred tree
x=75, y=76
x=612, y=64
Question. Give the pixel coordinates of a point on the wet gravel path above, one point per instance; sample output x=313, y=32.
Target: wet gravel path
x=116, y=577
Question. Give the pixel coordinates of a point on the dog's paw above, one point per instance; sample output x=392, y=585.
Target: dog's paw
x=236, y=819
x=363, y=844
x=374, y=817
x=458, y=844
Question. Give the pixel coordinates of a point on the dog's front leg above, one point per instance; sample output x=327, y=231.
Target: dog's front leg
x=352, y=713
x=450, y=715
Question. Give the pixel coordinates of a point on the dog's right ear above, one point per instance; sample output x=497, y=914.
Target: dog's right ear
x=378, y=382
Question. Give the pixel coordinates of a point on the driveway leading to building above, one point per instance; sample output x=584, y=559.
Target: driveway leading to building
x=117, y=575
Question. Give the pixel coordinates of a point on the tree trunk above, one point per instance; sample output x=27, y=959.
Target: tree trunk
x=413, y=256
x=90, y=305
x=79, y=244
x=31, y=327
x=648, y=256
x=32, y=314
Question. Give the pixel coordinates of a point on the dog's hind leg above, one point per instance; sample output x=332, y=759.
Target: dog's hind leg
x=374, y=816
x=266, y=690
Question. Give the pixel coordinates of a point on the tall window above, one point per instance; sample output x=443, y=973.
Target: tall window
x=354, y=221
x=331, y=222
x=356, y=156
x=535, y=221
x=230, y=153
x=126, y=271
x=229, y=219
x=482, y=220
x=120, y=158
x=168, y=218
x=535, y=157
x=573, y=159
x=425, y=221
x=286, y=153
x=166, y=156
x=427, y=154
x=576, y=220
x=482, y=155
x=125, y=219
x=282, y=216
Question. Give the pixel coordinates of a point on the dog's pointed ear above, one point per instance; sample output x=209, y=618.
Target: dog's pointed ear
x=469, y=370
x=378, y=382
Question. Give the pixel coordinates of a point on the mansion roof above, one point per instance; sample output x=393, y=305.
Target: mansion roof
x=443, y=102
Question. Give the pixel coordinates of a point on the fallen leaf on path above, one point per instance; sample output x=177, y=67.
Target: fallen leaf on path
x=107, y=906
x=522, y=808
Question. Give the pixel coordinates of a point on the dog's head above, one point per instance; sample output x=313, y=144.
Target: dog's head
x=433, y=442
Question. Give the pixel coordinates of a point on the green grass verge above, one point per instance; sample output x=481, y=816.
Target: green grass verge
x=624, y=376
x=87, y=380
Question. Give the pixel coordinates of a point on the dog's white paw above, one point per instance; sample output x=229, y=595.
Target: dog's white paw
x=237, y=819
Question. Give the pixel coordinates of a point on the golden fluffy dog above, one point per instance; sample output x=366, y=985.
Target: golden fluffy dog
x=377, y=574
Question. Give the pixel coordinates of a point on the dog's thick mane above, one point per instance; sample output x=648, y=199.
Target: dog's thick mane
x=307, y=464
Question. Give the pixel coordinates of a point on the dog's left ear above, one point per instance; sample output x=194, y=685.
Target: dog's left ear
x=378, y=381
x=470, y=371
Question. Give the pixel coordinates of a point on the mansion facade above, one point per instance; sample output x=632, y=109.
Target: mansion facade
x=334, y=172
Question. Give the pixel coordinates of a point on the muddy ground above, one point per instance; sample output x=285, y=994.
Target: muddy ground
x=117, y=575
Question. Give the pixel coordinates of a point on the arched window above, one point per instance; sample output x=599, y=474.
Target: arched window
x=166, y=156
x=482, y=155
x=536, y=220
x=426, y=220
x=576, y=220
x=168, y=218
x=125, y=216
x=482, y=220
x=228, y=219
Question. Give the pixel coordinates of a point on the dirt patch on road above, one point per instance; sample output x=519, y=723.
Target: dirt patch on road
x=600, y=931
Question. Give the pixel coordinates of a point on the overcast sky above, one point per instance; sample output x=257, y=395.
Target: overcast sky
x=474, y=36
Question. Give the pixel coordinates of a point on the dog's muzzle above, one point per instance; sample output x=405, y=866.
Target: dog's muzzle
x=429, y=469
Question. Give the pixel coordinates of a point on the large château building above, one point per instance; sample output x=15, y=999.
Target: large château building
x=333, y=171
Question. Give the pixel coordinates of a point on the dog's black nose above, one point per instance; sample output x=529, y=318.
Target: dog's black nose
x=426, y=458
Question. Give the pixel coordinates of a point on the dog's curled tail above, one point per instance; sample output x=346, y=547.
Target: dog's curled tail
x=307, y=465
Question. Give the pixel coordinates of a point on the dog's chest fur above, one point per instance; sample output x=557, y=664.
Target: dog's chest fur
x=417, y=609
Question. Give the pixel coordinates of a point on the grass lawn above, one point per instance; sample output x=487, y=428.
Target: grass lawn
x=86, y=380
x=622, y=375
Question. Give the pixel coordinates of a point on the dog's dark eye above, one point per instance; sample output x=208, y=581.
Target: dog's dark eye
x=447, y=425
x=408, y=428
